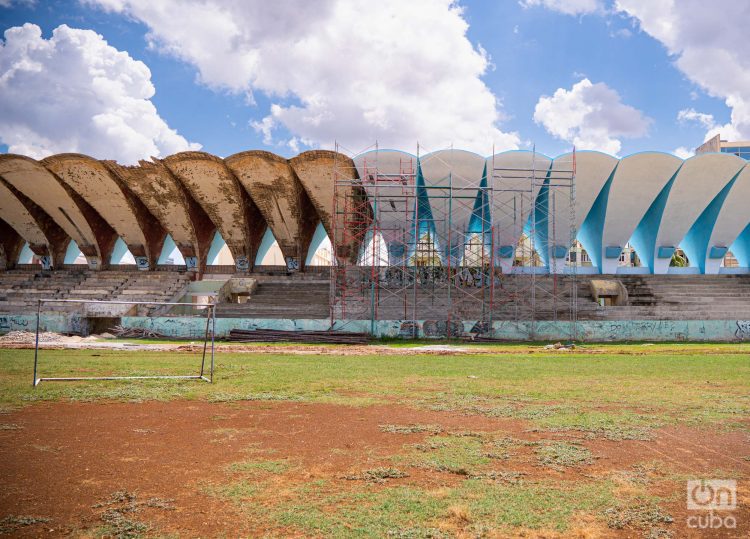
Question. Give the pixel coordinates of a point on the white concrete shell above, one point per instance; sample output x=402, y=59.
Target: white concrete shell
x=388, y=177
x=452, y=179
x=514, y=197
x=733, y=217
x=637, y=182
x=697, y=183
x=592, y=170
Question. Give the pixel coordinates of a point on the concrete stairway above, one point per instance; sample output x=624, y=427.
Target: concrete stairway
x=20, y=289
x=683, y=297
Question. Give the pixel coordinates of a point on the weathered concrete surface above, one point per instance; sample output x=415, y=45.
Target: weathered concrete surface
x=11, y=244
x=221, y=196
x=18, y=216
x=38, y=184
x=127, y=215
x=587, y=331
x=56, y=238
x=316, y=170
x=280, y=197
x=168, y=200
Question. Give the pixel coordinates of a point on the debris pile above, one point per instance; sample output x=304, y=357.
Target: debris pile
x=29, y=337
x=135, y=333
x=273, y=335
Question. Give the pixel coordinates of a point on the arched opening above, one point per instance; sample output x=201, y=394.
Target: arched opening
x=477, y=250
x=578, y=256
x=121, y=254
x=219, y=254
x=320, y=252
x=426, y=252
x=269, y=253
x=170, y=254
x=27, y=256
x=73, y=254
x=374, y=251
x=679, y=259
x=526, y=255
x=730, y=261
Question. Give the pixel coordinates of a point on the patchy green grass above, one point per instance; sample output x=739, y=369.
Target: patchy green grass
x=256, y=467
x=560, y=455
x=620, y=392
x=480, y=483
x=475, y=507
x=461, y=455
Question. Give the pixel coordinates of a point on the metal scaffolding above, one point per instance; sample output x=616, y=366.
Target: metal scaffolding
x=454, y=252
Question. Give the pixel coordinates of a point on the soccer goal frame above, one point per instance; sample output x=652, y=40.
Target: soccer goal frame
x=210, y=333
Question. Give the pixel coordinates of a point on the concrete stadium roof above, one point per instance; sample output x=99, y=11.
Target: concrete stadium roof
x=221, y=196
x=509, y=173
x=277, y=192
x=636, y=184
x=733, y=218
x=168, y=200
x=654, y=200
x=94, y=236
x=124, y=212
x=318, y=171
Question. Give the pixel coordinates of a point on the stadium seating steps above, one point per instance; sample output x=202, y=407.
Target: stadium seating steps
x=301, y=296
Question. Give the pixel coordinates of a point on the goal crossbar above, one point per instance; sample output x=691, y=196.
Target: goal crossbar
x=210, y=331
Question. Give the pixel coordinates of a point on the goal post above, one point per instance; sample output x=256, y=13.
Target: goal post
x=205, y=373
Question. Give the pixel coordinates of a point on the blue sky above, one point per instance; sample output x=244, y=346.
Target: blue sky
x=532, y=49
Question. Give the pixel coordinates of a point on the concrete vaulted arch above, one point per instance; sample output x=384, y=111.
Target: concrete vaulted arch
x=167, y=199
x=733, y=219
x=452, y=179
x=697, y=184
x=68, y=210
x=633, y=199
x=11, y=244
x=281, y=199
x=593, y=176
x=388, y=178
x=514, y=198
x=122, y=210
x=318, y=171
x=43, y=236
x=221, y=196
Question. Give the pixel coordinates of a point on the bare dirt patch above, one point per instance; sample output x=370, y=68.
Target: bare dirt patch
x=67, y=459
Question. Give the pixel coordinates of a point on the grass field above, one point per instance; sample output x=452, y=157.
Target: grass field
x=515, y=441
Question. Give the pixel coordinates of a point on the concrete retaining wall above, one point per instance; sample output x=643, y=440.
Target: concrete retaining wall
x=589, y=331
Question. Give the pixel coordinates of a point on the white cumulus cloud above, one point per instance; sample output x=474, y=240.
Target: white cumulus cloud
x=75, y=93
x=355, y=71
x=709, y=43
x=590, y=116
